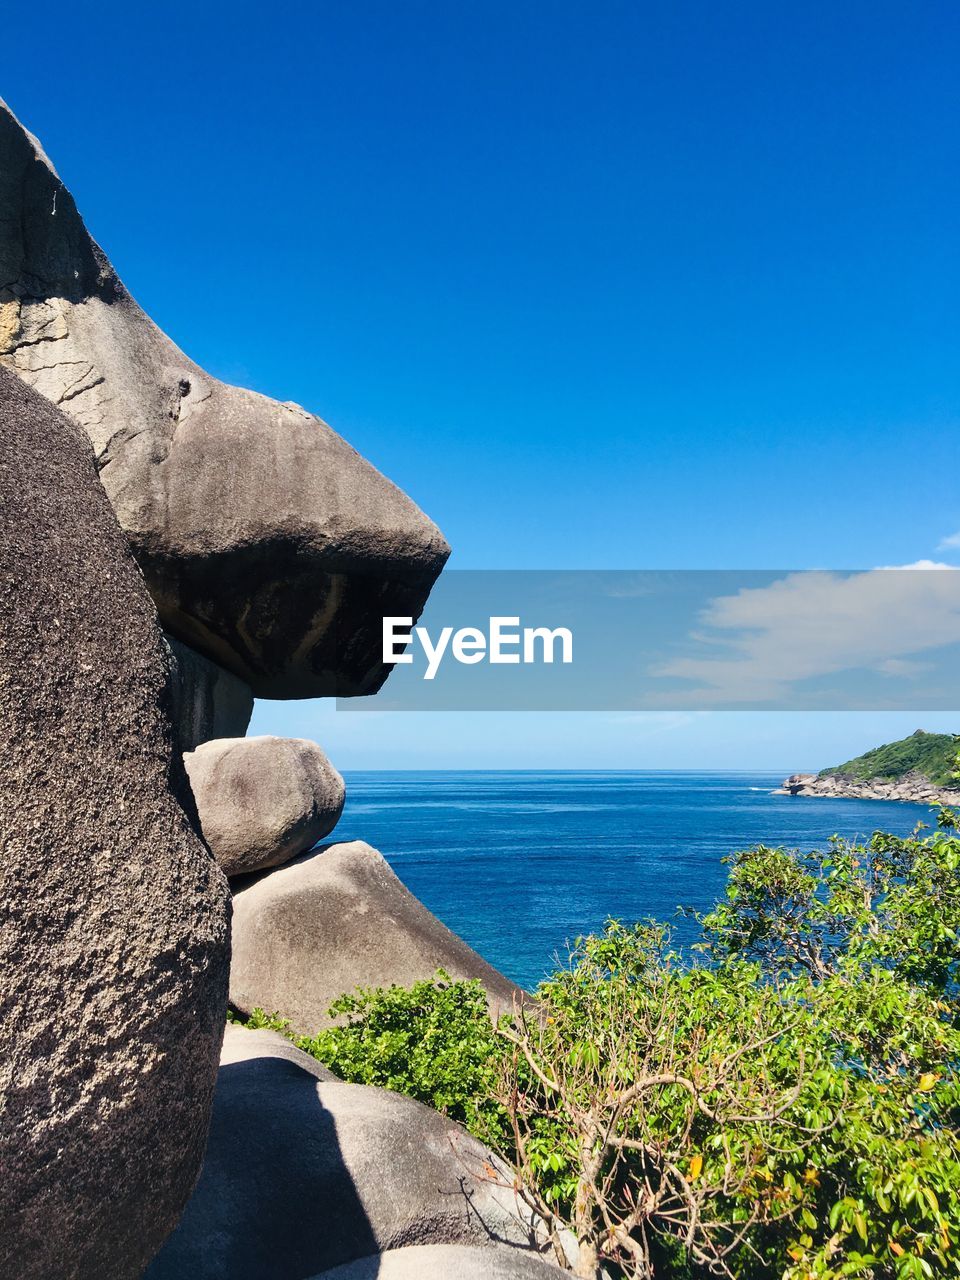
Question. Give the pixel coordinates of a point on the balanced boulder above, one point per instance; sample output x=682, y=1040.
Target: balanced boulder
x=267, y=542
x=303, y=1174
x=335, y=919
x=114, y=918
x=263, y=800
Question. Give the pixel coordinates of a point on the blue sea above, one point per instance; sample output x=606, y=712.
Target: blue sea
x=520, y=863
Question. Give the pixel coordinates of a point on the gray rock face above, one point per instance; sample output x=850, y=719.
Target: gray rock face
x=263, y=800
x=304, y=1174
x=267, y=542
x=243, y=1045
x=447, y=1262
x=208, y=702
x=335, y=919
x=797, y=783
x=114, y=919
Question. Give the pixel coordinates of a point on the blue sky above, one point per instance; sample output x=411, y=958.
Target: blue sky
x=611, y=286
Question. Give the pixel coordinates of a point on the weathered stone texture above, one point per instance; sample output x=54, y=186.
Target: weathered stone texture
x=114, y=918
x=304, y=1173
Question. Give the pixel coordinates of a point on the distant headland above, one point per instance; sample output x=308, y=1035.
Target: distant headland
x=920, y=769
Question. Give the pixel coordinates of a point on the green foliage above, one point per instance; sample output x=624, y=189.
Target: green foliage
x=817, y=1115
x=784, y=1107
x=932, y=754
x=893, y=902
x=260, y=1021
x=872, y=930
x=432, y=1041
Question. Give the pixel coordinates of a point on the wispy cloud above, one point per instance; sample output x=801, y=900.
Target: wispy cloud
x=950, y=543
x=919, y=564
x=761, y=641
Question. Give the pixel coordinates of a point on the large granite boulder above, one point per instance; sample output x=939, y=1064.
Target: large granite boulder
x=263, y=800
x=447, y=1262
x=335, y=919
x=208, y=702
x=304, y=1173
x=267, y=542
x=114, y=918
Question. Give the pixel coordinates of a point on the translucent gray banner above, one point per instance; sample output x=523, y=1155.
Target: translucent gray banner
x=764, y=640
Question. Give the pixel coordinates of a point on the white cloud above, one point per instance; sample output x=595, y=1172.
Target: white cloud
x=817, y=624
x=920, y=564
x=950, y=543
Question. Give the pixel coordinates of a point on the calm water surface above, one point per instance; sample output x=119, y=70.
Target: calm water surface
x=518, y=863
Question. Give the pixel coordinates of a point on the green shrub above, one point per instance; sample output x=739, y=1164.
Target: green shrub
x=433, y=1042
x=784, y=1105
x=740, y=1123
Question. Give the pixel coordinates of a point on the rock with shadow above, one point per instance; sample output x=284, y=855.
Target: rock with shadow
x=446, y=1262
x=114, y=918
x=334, y=919
x=208, y=701
x=304, y=1173
x=268, y=543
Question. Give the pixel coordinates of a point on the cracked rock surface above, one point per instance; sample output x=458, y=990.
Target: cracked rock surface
x=114, y=918
x=268, y=543
x=208, y=702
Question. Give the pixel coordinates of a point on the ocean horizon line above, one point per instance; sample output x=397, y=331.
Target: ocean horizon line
x=593, y=769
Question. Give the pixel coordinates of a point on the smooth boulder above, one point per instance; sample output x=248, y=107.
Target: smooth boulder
x=114, y=919
x=303, y=1174
x=447, y=1262
x=241, y=1044
x=269, y=544
x=335, y=919
x=263, y=800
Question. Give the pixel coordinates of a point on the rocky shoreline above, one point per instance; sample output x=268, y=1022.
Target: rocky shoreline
x=912, y=788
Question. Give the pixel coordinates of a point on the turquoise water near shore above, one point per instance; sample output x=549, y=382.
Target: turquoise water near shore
x=519, y=863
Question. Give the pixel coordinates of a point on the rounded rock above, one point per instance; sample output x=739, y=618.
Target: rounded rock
x=335, y=919
x=263, y=800
x=447, y=1262
x=267, y=542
